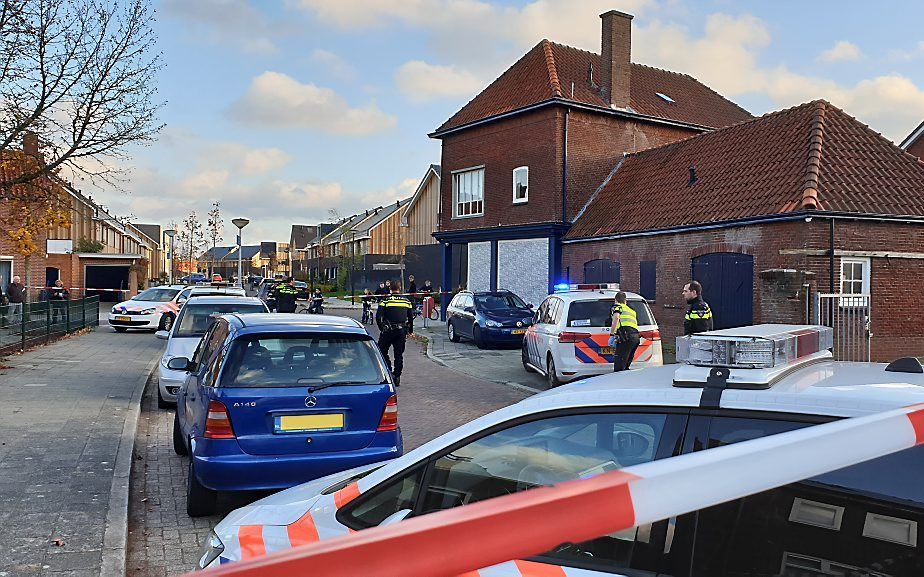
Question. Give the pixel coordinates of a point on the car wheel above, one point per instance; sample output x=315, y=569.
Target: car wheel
x=550, y=373
x=200, y=501
x=120, y=329
x=179, y=443
x=524, y=355
x=166, y=323
x=476, y=336
x=453, y=335
x=162, y=403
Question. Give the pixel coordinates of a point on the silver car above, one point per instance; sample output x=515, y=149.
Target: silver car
x=183, y=338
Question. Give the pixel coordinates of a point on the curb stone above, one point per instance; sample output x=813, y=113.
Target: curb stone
x=115, y=538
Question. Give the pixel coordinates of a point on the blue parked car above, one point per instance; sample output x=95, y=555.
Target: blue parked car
x=193, y=278
x=488, y=318
x=271, y=401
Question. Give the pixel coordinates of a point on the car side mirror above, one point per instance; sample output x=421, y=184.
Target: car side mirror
x=395, y=517
x=469, y=309
x=530, y=305
x=180, y=364
x=162, y=335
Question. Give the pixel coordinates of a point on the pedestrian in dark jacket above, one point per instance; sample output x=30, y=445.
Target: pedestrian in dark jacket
x=698, y=318
x=58, y=295
x=16, y=293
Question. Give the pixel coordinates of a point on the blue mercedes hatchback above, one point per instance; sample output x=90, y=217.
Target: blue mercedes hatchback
x=274, y=400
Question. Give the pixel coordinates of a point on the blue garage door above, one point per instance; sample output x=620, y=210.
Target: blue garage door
x=601, y=270
x=728, y=287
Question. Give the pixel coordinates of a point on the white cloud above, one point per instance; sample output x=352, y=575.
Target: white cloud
x=841, y=51
x=402, y=190
x=241, y=159
x=337, y=66
x=421, y=82
x=206, y=181
x=234, y=23
x=307, y=195
x=275, y=100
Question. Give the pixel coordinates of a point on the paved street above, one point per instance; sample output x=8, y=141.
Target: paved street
x=63, y=413
x=163, y=540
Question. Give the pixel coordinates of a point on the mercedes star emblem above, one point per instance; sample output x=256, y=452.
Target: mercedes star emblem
x=311, y=401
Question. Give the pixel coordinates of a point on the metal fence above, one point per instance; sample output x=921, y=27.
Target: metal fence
x=29, y=324
x=849, y=316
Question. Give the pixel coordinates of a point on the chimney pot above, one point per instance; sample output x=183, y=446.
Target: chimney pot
x=616, y=58
x=30, y=143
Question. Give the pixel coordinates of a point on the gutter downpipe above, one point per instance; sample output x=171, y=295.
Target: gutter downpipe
x=564, y=170
x=831, y=256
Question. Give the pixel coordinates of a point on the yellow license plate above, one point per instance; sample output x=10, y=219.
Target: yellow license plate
x=518, y=332
x=606, y=350
x=313, y=423
x=126, y=319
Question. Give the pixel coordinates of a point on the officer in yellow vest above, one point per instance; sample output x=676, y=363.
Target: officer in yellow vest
x=624, y=337
x=395, y=318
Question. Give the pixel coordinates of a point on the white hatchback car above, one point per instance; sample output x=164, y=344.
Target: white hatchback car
x=155, y=308
x=733, y=386
x=193, y=321
x=568, y=339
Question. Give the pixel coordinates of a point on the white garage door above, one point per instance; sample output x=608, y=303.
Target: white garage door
x=523, y=267
x=479, y=266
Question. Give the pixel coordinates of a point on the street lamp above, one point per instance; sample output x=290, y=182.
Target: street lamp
x=240, y=223
x=170, y=233
x=352, y=263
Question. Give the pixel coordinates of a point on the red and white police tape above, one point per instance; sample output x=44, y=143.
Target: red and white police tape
x=463, y=540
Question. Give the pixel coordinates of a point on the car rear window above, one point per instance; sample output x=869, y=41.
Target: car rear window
x=156, y=295
x=596, y=313
x=195, y=319
x=301, y=361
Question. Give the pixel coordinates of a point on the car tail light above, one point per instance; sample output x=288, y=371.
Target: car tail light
x=654, y=335
x=569, y=337
x=389, y=420
x=218, y=422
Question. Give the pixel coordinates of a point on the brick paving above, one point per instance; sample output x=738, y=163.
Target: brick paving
x=62, y=412
x=163, y=540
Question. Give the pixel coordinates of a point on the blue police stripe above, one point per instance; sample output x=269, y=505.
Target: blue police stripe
x=581, y=356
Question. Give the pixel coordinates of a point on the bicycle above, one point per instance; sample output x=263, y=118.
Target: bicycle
x=434, y=312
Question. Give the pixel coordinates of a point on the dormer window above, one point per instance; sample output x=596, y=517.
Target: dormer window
x=520, y=185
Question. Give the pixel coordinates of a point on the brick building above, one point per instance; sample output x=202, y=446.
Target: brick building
x=765, y=213
x=914, y=143
x=522, y=157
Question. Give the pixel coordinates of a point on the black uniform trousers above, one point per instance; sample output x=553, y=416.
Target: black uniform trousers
x=624, y=350
x=395, y=338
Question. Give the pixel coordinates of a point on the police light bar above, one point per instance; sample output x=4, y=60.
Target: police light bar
x=757, y=355
x=564, y=287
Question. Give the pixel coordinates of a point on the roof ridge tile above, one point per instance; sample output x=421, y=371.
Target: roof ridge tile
x=813, y=160
x=554, y=83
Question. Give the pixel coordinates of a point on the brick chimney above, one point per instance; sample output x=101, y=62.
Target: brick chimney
x=615, y=56
x=30, y=144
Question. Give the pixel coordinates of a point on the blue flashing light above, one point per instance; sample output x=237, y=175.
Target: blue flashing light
x=562, y=287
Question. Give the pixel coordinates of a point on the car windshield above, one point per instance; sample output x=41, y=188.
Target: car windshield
x=301, y=360
x=596, y=313
x=195, y=319
x=156, y=295
x=499, y=302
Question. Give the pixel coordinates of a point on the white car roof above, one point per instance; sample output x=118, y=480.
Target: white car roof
x=586, y=295
x=216, y=289
x=223, y=299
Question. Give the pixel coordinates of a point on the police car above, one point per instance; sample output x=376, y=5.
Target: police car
x=568, y=339
x=155, y=308
x=732, y=386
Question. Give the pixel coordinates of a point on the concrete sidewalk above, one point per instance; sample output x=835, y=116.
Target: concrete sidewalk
x=68, y=413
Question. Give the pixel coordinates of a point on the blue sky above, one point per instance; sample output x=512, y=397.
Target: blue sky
x=284, y=109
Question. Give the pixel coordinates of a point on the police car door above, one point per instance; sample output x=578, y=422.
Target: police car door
x=531, y=340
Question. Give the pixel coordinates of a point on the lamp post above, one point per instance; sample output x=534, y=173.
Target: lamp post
x=240, y=223
x=352, y=265
x=170, y=234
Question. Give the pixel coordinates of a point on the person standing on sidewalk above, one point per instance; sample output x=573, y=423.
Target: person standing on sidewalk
x=699, y=316
x=395, y=319
x=58, y=297
x=16, y=292
x=624, y=337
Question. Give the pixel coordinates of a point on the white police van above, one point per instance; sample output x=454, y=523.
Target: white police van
x=731, y=386
x=568, y=339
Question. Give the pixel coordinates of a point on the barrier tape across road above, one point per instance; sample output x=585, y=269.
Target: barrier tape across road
x=462, y=540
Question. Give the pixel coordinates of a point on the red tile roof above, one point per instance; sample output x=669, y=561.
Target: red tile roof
x=813, y=157
x=552, y=70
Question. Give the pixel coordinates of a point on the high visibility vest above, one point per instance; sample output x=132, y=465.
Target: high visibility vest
x=627, y=316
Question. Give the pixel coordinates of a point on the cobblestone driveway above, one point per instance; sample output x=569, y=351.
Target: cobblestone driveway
x=163, y=540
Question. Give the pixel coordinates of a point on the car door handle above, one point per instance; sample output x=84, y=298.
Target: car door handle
x=669, y=537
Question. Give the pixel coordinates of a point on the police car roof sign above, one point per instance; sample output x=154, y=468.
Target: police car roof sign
x=466, y=539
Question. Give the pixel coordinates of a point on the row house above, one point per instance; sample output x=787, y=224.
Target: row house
x=914, y=143
x=420, y=219
x=299, y=238
x=522, y=158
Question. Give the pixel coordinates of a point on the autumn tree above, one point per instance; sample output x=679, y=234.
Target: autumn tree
x=214, y=229
x=190, y=240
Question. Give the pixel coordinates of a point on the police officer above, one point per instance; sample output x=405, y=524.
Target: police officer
x=285, y=293
x=624, y=337
x=395, y=318
x=699, y=316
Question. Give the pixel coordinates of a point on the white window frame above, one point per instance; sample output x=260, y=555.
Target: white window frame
x=525, y=199
x=865, y=268
x=466, y=207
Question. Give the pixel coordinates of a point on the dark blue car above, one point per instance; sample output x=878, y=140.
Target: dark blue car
x=271, y=401
x=488, y=318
